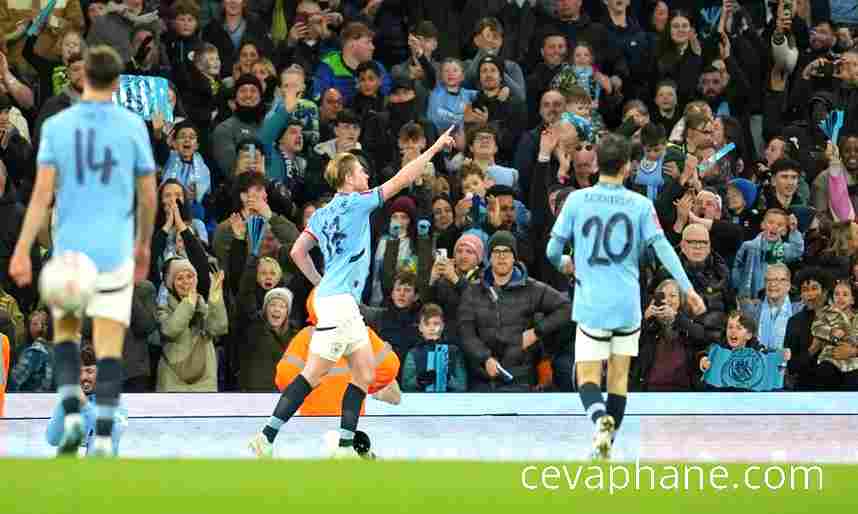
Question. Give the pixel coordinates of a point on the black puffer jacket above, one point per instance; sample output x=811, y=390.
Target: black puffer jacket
x=492, y=320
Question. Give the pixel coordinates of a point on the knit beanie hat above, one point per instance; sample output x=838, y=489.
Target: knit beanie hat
x=747, y=188
x=404, y=204
x=176, y=266
x=278, y=293
x=247, y=79
x=472, y=242
x=491, y=59
x=503, y=238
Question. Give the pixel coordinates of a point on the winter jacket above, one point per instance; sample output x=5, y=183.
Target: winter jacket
x=423, y=356
x=141, y=333
x=34, y=370
x=11, y=221
x=260, y=346
x=396, y=326
x=182, y=323
x=492, y=320
x=115, y=30
x=217, y=35
x=712, y=282
x=334, y=73
x=749, y=268
x=512, y=76
x=284, y=230
x=225, y=139
x=653, y=348
x=279, y=118
x=449, y=296
x=609, y=59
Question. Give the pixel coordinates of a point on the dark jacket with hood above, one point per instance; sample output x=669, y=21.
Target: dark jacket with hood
x=492, y=320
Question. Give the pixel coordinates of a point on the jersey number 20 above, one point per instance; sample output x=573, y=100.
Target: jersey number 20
x=86, y=162
x=603, y=254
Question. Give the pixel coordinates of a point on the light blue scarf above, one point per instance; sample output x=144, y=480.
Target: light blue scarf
x=773, y=329
x=438, y=360
x=649, y=174
x=196, y=173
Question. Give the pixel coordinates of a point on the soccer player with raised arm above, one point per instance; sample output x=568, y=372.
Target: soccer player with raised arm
x=609, y=227
x=93, y=157
x=341, y=229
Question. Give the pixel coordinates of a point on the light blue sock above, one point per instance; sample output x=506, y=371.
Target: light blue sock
x=275, y=423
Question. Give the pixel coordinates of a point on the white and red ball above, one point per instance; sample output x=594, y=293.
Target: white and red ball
x=67, y=282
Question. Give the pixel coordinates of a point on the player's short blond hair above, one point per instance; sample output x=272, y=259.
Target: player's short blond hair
x=339, y=167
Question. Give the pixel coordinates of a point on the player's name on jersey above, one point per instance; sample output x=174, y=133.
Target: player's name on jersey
x=603, y=198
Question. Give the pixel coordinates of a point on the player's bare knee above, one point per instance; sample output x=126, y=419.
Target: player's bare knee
x=108, y=337
x=67, y=329
x=589, y=371
x=363, y=377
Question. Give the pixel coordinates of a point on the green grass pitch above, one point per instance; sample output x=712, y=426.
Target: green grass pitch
x=440, y=487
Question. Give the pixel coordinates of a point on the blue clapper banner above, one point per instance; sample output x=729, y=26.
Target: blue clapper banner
x=745, y=368
x=145, y=96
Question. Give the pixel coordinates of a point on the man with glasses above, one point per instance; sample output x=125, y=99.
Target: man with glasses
x=506, y=351
x=610, y=228
x=483, y=144
x=698, y=132
x=710, y=275
x=774, y=311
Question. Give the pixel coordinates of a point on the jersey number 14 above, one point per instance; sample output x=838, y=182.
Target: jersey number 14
x=86, y=161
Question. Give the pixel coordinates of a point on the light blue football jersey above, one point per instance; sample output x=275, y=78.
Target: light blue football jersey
x=342, y=230
x=98, y=150
x=609, y=227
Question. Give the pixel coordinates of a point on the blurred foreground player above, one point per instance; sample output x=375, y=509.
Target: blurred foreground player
x=342, y=231
x=326, y=400
x=609, y=227
x=93, y=156
x=56, y=428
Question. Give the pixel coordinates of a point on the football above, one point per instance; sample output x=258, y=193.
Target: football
x=67, y=282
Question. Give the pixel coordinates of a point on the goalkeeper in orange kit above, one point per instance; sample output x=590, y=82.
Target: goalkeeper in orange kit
x=326, y=399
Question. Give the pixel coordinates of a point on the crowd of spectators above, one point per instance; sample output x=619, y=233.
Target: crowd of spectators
x=725, y=101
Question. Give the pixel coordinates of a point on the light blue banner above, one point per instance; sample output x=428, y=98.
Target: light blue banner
x=745, y=368
x=145, y=96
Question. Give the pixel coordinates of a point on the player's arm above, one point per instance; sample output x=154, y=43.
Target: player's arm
x=147, y=200
x=671, y=262
x=557, y=243
x=300, y=254
x=39, y=208
x=412, y=171
x=554, y=252
x=653, y=235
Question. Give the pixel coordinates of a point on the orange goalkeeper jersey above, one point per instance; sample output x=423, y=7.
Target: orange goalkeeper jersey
x=326, y=400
